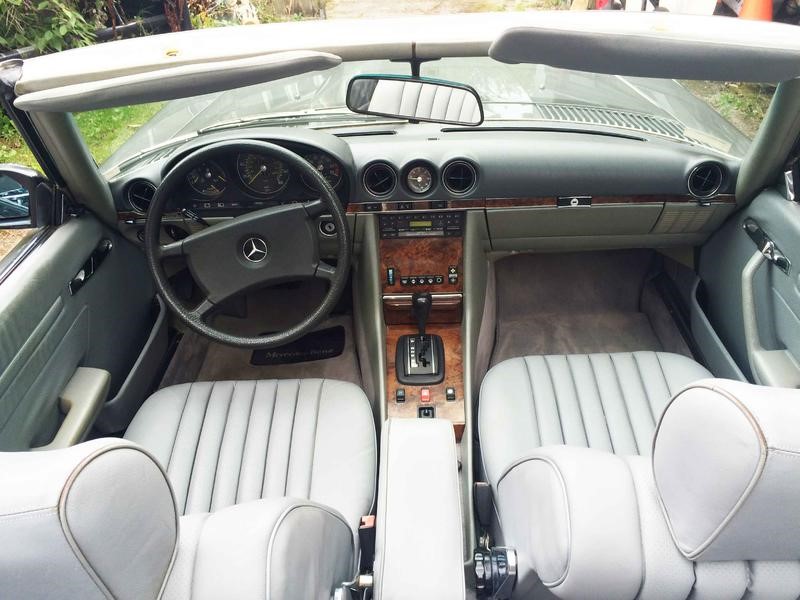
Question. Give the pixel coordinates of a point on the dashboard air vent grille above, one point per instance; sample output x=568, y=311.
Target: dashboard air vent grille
x=380, y=179
x=140, y=193
x=705, y=180
x=459, y=177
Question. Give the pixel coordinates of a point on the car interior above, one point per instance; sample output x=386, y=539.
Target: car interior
x=430, y=354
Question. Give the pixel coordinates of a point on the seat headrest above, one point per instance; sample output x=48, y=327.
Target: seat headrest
x=96, y=519
x=726, y=461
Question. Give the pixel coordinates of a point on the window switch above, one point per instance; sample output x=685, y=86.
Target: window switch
x=450, y=394
x=400, y=395
x=425, y=412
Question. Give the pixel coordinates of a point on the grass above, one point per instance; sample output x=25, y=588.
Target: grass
x=742, y=104
x=103, y=131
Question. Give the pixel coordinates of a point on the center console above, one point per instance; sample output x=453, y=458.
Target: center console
x=421, y=257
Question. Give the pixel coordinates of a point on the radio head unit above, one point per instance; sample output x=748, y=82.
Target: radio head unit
x=424, y=224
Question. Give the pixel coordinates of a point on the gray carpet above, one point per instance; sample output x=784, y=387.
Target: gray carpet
x=198, y=359
x=577, y=303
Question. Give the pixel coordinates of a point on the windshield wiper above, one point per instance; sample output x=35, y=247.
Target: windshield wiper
x=333, y=113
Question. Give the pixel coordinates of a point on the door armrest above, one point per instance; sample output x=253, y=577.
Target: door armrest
x=419, y=545
x=81, y=401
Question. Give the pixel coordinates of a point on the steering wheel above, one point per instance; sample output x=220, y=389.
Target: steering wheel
x=257, y=249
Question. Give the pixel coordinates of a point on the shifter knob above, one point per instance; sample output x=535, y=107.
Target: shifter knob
x=421, y=307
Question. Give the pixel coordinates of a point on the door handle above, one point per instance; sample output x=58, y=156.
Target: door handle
x=766, y=246
x=90, y=266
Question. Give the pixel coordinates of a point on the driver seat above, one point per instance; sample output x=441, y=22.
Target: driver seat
x=226, y=442
x=239, y=489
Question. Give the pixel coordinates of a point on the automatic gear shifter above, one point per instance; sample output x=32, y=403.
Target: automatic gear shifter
x=421, y=307
x=420, y=358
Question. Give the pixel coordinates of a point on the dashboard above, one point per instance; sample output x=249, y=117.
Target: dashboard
x=537, y=187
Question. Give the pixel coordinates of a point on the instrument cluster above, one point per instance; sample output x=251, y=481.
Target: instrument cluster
x=251, y=180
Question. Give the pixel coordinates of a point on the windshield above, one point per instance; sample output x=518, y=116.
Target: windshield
x=691, y=112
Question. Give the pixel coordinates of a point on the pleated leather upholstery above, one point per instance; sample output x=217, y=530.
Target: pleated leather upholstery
x=611, y=402
x=224, y=443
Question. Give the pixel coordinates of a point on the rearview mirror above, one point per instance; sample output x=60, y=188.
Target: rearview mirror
x=415, y=98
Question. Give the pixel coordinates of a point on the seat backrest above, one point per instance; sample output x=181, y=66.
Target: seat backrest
x=97, y=520
x=715, y=514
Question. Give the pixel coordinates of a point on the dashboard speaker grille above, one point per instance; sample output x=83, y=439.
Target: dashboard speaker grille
x=705, y=180
x=459, y=177
x=380, y=179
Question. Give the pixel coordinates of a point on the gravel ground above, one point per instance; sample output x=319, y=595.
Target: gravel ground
x=9, y=238
x=358, y=9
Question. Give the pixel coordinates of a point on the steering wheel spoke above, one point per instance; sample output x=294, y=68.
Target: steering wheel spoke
x=171, y=249
x=203, y=309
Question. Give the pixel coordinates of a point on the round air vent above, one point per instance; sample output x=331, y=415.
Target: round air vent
x=459, y=177
x=380, y=179
x=705, y=180
x=140, y=193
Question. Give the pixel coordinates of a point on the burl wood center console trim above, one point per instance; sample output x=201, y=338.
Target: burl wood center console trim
x=453, y=377
x=424, y=259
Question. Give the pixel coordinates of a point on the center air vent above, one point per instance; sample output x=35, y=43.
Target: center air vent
x=140, y=193
x=379, y=179
x=705, y=180
x=459, y=177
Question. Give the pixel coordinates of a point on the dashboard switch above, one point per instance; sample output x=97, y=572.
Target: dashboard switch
x=425, y=395
x=400, y=395
x=390, y=279
x=450, y=394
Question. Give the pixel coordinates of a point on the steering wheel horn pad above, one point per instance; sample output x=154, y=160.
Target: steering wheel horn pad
x=257, y=249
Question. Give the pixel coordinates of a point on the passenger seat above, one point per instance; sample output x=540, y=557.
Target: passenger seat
x=609, y=402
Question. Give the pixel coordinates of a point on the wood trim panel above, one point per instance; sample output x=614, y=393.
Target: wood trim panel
x=467, y=203
x=421, y=256
x=453, y=377
x=443, y=310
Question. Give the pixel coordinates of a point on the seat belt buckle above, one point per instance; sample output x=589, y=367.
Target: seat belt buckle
x=366, y=539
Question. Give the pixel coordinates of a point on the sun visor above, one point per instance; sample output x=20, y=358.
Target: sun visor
x=659, y=45
x=175, y=82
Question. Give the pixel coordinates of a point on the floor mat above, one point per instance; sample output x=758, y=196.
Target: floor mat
x=198, y=359
x=578, y=303
x=317, y=345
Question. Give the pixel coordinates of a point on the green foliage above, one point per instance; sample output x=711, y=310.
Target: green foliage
x=106, y=130
x=44, y=24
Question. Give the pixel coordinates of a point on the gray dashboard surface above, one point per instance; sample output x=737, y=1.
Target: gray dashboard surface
x=511, y=163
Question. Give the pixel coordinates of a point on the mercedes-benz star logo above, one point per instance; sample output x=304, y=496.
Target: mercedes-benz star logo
x=254, y=249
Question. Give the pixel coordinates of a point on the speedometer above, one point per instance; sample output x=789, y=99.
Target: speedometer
x=326, y=166
x=208, y=179
x=262, y=174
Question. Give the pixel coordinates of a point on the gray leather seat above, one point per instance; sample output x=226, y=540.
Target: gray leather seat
x=228, y=442
x=610, y=402
x=713, y=513
x=272, y=477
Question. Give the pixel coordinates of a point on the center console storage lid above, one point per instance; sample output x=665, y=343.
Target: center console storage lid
x=419, y=538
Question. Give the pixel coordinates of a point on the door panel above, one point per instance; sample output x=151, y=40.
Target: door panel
x=774, y=309
x=46, y=332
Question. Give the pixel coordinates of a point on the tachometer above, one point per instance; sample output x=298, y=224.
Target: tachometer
x=208, y=179
x=261, y=174
x=327, y=167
